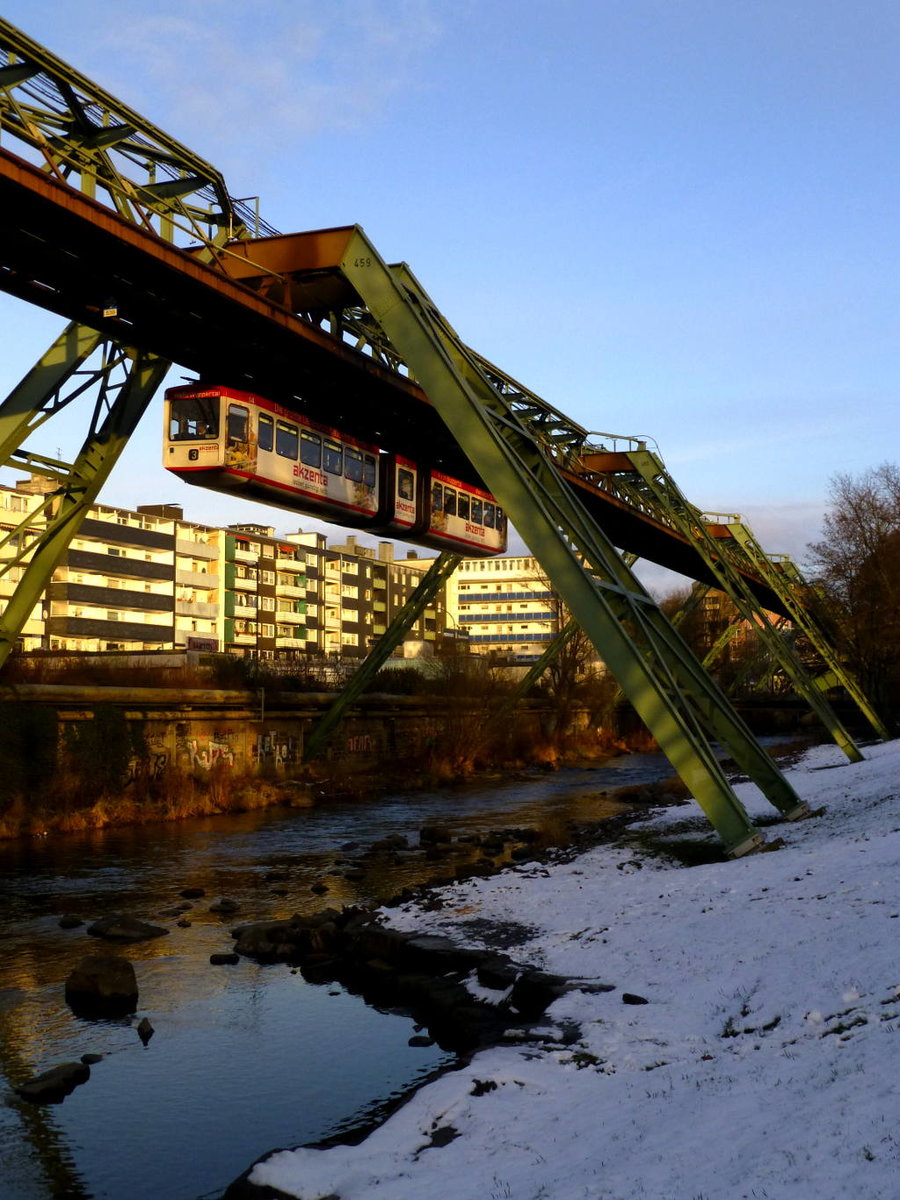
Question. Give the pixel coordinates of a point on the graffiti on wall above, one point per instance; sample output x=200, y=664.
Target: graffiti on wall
x=204, y=753
x=152, y=763
x=275, y=749
x=360, y=743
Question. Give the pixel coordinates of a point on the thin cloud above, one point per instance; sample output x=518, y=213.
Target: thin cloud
x=273, y=79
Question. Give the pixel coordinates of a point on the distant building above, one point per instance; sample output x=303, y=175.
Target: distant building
x=505, y=606
x=147, y=580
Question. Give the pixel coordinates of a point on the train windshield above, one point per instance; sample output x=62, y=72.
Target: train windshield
x=193, y=418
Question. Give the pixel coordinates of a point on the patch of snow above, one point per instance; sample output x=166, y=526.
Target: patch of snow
x=763, y=1065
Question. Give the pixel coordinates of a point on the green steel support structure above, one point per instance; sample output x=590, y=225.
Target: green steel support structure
x=85, y=138
x=536, y=670
x=658, y=673
x=653, y=485
x=429, y=586
x=785, y=579
x=54, y=524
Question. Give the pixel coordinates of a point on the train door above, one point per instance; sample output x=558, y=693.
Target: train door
x=240, y=437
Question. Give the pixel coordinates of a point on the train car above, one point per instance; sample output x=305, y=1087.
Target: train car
x=462, y=517
x=235, y=441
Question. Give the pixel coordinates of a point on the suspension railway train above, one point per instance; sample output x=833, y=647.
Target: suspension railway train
x=235, y=441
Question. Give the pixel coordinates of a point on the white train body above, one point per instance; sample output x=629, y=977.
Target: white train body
x=234, y=441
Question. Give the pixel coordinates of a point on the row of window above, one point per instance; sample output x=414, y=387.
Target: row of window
x=454, y=503
x=314, y=450
x=244, y=628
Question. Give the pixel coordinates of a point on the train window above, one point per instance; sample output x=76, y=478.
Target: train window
x=477, y=511
x=501, y=519
x=369, y=471
x=286, y=440
x=437, y=498
x=310, y=448
x=406, y=484
x=449, y=502
x=334, y=455
x=238, y=423
x=463, y=507
x=489, y=516
x=353, y=464
x=266, y=435
x=192, y=418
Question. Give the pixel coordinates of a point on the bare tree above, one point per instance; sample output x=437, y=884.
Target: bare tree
x=857, y=564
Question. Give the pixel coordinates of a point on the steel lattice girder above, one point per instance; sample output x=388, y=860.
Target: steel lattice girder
x=655, y=669
x=117, y=410
x=77, y=131
x=425, y=591
x=785, y=578
x=659, y=490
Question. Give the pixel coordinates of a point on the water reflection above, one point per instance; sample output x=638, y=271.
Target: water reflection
x=244, y=1058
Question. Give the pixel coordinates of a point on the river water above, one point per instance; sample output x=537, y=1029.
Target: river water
x=243, y=1058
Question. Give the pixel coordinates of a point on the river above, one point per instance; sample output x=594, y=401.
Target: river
x=243, y=1058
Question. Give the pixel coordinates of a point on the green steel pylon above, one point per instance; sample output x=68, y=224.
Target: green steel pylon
x=89, y=141
x=651, y=483
x=785, y=579
x=515, y=457
x=426, y=590
x=118, y=407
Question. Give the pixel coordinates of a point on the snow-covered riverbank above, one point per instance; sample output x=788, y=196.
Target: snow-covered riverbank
x=764, y=1064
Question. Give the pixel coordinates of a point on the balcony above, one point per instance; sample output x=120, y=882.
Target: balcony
x=290, y=590
x=290, y=618
x=200, y=579
x=247, y=585
x=289, y=643
x=191, y=549
x=195, y=608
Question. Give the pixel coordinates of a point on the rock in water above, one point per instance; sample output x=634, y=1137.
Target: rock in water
x=125, y=929
x=54, y=1085
x=102, y=985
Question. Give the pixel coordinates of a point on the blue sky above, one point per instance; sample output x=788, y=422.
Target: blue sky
x=676, y=218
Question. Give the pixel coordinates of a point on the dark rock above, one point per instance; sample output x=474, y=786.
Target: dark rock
x=184, y=923
x=319, y=889
x=429, y=834
x=192, y=893
x=419, y=1040
x=69, y=921
x=145, y=1030
x=394, y=841
x=497, y=972
x=534, y=991
x=225, y=959
x=175, y=911
x=102, y=985
x=224, y=905
x=631, y=998
x=125, y=929
x=90, y=1059
x=54, y=1085
x=442, y=1136
x=481, y=1087
x=437, y=851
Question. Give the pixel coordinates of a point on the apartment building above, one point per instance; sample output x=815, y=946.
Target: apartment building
x=149, y=580
x=505, y=605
